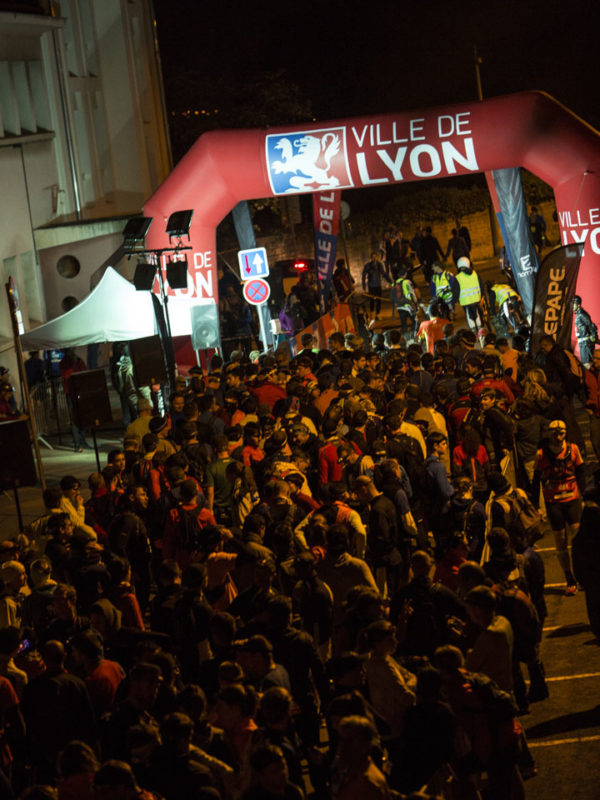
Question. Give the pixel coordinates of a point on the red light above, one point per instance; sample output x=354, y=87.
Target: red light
x=300, y=265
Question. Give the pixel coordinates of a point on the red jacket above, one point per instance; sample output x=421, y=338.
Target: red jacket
x=268, y=392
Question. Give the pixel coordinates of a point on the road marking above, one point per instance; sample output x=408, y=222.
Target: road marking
x=573, y=740
x=544, y=549
x=573, y=677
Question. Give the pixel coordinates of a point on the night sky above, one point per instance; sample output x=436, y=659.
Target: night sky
x=355, y=57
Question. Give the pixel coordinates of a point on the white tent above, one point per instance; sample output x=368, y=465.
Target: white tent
x=113, y=312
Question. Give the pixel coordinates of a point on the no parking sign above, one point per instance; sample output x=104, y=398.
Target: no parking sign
x=256, y=291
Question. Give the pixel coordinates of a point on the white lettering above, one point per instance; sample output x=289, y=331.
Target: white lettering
x=416, y=128
x=564, y=217
x=594, y=216
x=580, y=237
x=325, y=226
x=203, y=259
x=397, y=139
x=594, y=240
x=364, y=173
x=324, y=244
x=444, y=120
x=460, y=123
x=326, y=213
x=381, y=141
x=395, y=166
x=360, y=137
x=579, y=222
x=204, y=284
x=415, y=165
x=327, y=198
x=452, y=156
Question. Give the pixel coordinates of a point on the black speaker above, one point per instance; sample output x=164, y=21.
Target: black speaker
x=89, y=396
x=16, y=467
x=148, y=361
x=205, y=327
x=143, y=277
x=177, y=274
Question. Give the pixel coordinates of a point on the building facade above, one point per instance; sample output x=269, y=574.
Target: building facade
x=83, y=142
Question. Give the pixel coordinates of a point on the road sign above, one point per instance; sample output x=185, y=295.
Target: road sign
x=253, y=263
x=257, y=291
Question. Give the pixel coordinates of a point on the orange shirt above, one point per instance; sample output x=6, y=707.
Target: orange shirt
x=432, y=330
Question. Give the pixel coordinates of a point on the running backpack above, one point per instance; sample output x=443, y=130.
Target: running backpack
x=190, y=529
x=521, y=518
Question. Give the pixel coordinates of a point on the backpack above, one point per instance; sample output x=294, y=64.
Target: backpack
x=410, y=456
x=424, y=631
x=190, y=529
x=518, y=609
x=498, y=705
x=578, y=385
x=522, y=520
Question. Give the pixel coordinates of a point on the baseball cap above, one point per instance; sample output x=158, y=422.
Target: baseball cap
x=558, y=424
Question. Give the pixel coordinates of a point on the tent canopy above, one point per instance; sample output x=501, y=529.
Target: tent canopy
x=113, y=312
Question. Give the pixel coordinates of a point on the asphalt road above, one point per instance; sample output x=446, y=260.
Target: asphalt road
x=564, y=731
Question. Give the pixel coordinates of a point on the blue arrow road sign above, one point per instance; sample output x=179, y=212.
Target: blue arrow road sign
x=253, y=263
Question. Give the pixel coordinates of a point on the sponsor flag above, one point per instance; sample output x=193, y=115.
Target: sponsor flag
x=554, y=292
x=509, y=204
x=326, y=216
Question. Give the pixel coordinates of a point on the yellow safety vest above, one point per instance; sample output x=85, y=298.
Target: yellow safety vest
x=442, y=285
x=470, y=291
x=502, y=292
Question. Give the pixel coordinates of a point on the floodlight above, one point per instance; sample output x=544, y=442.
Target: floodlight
x=134, y=233
x=177, y=274
x=179, y=224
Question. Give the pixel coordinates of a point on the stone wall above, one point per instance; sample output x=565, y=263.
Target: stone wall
x=358, y=249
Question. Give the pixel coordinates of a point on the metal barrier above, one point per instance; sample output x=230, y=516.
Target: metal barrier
x=49, y=409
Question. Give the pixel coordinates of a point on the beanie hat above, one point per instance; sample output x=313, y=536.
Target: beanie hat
x=157, y=424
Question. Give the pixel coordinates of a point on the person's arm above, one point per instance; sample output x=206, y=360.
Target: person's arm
x=360, y=533
x=210, y=498
x=579, y=469
x=409, y=524
x=364, y=276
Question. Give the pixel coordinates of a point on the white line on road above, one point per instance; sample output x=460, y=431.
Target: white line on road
x=574, y=677
x=544, y=549
x=555, y=742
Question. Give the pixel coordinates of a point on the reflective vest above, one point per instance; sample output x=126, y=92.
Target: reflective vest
x=403, y=293
x=442, y=285
x=470, y=291
x=503, y=292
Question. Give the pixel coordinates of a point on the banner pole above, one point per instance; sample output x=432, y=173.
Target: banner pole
x=13, y=304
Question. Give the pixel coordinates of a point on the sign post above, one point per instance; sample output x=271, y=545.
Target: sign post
x=257, y=292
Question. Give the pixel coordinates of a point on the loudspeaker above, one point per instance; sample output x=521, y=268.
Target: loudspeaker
x=148, y=361
x=205, y=327
x=89, y=398
x=16, y=467
x=143, y=277
x=177, y=274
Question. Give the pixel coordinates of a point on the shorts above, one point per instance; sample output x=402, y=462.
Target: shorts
x=561, y=514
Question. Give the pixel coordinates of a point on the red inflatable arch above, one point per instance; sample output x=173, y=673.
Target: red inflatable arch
x=528, y=129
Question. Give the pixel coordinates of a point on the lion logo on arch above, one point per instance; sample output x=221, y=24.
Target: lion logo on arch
x=307, y=161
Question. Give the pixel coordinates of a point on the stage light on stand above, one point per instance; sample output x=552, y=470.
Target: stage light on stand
x=134, y=234
x=179, y=223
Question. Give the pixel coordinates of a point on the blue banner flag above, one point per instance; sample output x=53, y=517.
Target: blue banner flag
x=514, y=224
